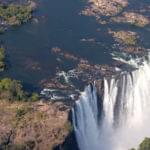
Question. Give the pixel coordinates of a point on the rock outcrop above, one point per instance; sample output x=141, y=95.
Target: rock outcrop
x=33, y=126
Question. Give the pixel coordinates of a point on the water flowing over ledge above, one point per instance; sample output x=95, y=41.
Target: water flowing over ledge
x=124, y=118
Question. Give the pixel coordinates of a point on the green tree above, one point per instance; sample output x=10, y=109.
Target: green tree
x=11, y=89
x=15, y=14
x=145, y=145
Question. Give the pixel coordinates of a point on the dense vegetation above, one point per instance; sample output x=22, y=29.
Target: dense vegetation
x=15, y=14
x=13, y=90
x=2, y=57
x=145, y=145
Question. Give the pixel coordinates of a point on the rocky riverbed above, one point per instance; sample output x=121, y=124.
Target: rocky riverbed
x=107, y=11
x=104, y=7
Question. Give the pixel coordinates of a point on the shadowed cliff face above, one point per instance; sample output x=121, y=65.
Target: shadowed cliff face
x=70, y=142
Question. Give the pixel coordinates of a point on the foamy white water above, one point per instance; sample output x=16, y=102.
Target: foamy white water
x=125, y=112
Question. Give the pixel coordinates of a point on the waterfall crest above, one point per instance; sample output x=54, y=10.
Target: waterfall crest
x=125, y=112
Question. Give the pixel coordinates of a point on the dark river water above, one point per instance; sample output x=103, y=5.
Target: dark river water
x=59, y=25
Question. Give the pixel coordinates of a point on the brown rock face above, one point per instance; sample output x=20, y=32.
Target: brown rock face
x=33, y=126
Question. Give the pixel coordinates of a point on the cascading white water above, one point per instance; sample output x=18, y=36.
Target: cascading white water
x=125, y=112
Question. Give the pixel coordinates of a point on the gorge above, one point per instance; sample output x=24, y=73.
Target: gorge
x=119, y=120
x=50, y=50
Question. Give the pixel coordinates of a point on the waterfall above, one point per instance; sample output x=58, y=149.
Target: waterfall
x=125, y=112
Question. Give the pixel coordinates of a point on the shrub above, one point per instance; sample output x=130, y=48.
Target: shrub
x=20, y=113
x=68, y=126
x=34, y=97
x=2, y=57
x=145, y=145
